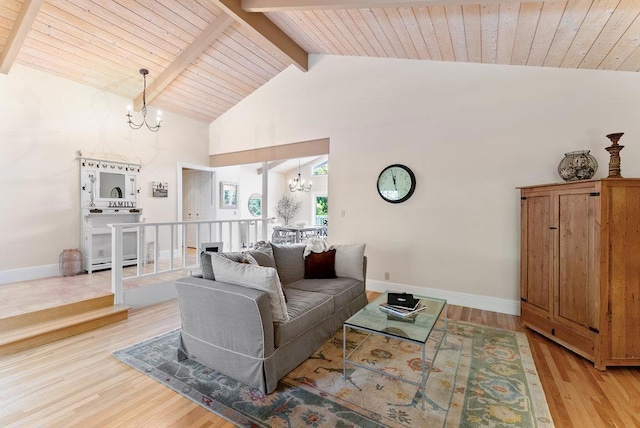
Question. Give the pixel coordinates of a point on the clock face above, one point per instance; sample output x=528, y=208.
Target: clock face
x=396, y=183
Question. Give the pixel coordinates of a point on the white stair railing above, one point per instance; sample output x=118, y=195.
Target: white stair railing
x=158, y=244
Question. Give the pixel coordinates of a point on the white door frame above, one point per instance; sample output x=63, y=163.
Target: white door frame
x=180, y=167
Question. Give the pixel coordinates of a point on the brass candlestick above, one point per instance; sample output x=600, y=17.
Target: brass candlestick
x=614, y=151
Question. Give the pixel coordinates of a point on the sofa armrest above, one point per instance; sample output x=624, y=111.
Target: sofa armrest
x=227, y=316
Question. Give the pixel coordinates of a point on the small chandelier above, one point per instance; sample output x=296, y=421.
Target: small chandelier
x=297, y=184
x=133, y=125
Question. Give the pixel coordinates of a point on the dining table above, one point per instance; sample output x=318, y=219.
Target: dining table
x=299, y=231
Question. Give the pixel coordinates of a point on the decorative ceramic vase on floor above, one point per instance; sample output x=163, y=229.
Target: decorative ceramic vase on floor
x=578, y=165
x=70, y=262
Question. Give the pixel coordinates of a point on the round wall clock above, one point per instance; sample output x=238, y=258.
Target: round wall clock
x=396, y=183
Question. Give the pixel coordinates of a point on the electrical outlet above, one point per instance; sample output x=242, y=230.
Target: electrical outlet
x=386, y=276
x=343, y=213
x=100, y=253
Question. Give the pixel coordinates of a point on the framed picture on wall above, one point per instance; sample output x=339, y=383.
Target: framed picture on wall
x=228, y=195
x=160, y=189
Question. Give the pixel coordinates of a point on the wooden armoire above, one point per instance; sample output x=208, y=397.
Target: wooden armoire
x=580, y=267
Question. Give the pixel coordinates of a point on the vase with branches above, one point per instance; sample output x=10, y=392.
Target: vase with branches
x=287, y=207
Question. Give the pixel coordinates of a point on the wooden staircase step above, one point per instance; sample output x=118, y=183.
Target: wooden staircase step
x=48, y=331
x=52, y=313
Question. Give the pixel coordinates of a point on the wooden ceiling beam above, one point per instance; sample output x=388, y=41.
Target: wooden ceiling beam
x=19, y=33
x=202, y=42
x=291, y=5
x=267, y=154
x=258, y=22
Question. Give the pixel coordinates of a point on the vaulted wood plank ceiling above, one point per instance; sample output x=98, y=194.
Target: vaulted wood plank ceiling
x=204, y=56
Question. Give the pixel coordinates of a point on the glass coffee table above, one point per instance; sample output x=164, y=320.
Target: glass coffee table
x=372, y=320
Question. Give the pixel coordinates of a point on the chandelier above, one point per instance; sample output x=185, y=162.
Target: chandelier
x=134, y=125
x=297, y=184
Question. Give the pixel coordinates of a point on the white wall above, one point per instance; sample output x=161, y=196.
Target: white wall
x=44, y=121
x=470, y=132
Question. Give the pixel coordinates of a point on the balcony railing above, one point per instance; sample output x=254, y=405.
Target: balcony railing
x=165, y=247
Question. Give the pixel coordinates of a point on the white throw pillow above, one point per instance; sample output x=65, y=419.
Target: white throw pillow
x=349, y=261
x=256, y=277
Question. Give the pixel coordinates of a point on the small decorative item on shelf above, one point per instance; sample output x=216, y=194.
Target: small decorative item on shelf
x=578, y=165
x=614, y=151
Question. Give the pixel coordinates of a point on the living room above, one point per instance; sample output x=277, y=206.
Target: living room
x=471, y=133
x=466, y=206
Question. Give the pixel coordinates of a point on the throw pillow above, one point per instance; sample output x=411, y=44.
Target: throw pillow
x=261, y=244
x=262, y=256
x=205, y=263
x=256, y=277
x=289, y=261
x=320, y=265
x=248, y=259
x=350, y=261
x=235, y=256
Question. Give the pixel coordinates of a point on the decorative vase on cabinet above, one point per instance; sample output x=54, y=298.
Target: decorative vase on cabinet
x=578, y=165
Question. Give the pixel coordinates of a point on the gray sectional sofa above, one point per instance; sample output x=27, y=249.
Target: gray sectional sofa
x=228, y=325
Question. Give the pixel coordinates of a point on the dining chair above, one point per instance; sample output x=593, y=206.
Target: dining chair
x=280, y=236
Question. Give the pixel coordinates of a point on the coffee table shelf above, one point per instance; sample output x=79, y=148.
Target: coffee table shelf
x=372, y=320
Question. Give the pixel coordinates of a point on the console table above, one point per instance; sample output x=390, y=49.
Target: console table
x=96, y=237
x=108, y=195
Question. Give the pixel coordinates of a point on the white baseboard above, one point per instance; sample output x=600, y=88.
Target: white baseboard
x=494, y=304
x=29, y=273
x=36, y=272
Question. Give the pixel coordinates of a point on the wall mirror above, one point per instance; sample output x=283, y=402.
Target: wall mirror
x=255, y=205
x=111, y=185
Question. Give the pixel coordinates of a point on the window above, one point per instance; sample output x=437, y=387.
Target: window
x=321, y=210
x=321, y=169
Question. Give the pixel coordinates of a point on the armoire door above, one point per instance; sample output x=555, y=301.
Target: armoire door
x=537, y=251
x=576, y=294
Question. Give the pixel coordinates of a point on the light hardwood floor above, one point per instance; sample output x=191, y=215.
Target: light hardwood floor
x=76, y=381
x=29, y=296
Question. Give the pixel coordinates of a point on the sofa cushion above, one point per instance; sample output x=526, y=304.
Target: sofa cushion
x=262, y=256
x=252, y=276
x=205, y=262
x=289, y=261
x=305, y=310
x=350, y=261
x=343, y=290
x=320, y=265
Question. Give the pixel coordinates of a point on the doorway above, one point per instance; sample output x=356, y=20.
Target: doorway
x=196, y=200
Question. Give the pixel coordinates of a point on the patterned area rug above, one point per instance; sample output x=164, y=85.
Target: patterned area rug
x=481, y=377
